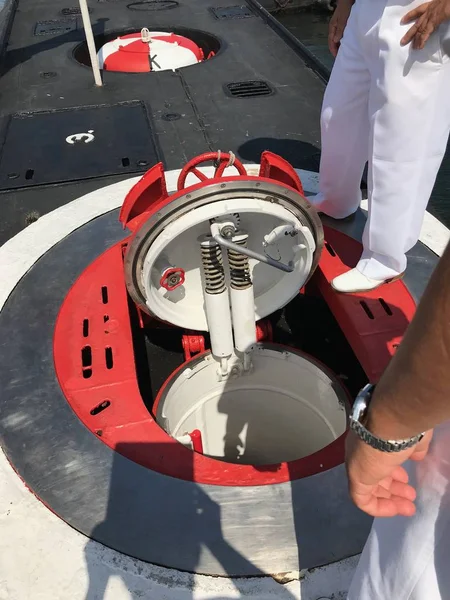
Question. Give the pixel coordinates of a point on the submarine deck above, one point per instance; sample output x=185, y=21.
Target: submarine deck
x=256, y=94
x=47, y=96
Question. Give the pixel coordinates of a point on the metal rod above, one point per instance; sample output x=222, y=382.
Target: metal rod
x=260, y=257
x=90, y=42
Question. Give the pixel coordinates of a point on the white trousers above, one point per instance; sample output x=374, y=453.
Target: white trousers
x=388, y=105
x=409, y=558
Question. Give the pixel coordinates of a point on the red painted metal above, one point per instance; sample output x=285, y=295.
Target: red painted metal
x=264, y=332
x=192, y=344
x=135, y=57
x=142, y=316
x=149, y=191
x=101, y=387
x=196, y=439
x=222, y=158
x=149, y=194
x=165, y=280
x=373, y=322
x=275, y=167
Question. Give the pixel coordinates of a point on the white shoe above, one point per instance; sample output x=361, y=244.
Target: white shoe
x=354, y=281
x=346, y=219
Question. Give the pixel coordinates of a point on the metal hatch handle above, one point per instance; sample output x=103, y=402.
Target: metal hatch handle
x=247, y=252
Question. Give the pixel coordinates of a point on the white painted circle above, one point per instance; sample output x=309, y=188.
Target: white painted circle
x=178, y=246
x=31, y=561
x=260, y=417
x=164, y=54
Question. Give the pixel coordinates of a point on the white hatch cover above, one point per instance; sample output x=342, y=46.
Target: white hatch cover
x=149, y=51
x=173, y=278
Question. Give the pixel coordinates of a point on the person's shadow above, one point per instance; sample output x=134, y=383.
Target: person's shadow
x=196, y=530
x=20, y=55
x=301, y=155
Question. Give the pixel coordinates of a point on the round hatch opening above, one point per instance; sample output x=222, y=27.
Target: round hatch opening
x=286, y=407
x=150, y=50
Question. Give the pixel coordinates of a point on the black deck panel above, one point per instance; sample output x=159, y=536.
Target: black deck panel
x=43, y=147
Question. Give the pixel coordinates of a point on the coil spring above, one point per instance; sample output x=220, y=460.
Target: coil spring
x=239, y=267
x=213, y=268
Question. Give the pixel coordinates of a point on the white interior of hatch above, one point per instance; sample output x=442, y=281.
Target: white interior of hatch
x=284, y=409
x=178, y=246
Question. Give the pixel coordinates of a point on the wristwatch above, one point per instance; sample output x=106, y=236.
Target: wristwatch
x=358, y=417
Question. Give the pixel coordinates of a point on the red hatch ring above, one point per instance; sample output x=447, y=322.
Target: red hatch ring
x=95, y=366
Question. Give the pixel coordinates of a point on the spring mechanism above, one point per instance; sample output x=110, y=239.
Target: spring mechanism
x=239, y=265
x=234, y=217
x=212, y=261
x=237, y=219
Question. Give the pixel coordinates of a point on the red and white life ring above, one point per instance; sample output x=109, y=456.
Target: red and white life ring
x=149, y=51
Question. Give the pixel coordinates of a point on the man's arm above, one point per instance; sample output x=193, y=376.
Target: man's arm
x=414, y=393
x=412, y=396
x=338, y=23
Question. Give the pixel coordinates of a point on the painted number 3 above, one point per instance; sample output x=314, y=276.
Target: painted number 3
x=76, y=138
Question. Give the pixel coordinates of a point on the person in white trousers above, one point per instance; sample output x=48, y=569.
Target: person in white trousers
x=387, y=103
x=407, y=557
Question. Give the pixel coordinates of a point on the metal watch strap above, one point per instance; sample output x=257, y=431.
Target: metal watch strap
x=383, y=445
x=359, y=415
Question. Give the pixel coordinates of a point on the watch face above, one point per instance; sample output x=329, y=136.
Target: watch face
x=359, y=409
x=361, y=403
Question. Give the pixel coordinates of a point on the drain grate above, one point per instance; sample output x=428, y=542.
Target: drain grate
x=231, y=12
x=248, y=89
x=153, y=5
x=73, y=10
x=75, y=144
x=48, y=74
x=55, y=26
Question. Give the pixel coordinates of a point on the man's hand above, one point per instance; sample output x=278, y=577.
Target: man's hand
x=337, y=25
x=427, y=18
x=378, y=484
